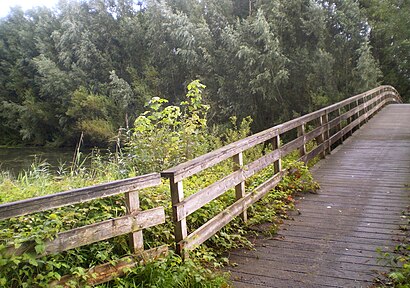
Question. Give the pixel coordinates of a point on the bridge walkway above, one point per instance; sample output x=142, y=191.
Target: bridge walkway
x=365, y=189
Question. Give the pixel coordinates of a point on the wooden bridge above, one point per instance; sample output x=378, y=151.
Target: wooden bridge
x=333, y=242
x=364, y=189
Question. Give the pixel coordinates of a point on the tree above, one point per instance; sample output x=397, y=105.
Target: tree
x=389, y=37
x=367, y=72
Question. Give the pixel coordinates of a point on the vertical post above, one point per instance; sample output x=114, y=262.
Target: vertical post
x=136, y=240
x=365, y=109
x=240, y=188
x=320, y=140
x=275, y=145
x=380, y=100
x=349, y=120
x=180, y=228
x=339, y=126
x=301, y=133
x=358, y=114
x=326, y=134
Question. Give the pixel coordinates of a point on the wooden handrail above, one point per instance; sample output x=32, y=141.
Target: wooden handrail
x=132, y=223
x=349, y=114
x=75, y=196
x=189, y=168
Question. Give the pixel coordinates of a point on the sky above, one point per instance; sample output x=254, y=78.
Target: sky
x=25, y=4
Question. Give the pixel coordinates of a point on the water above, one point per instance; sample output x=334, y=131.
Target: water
x=16, y=160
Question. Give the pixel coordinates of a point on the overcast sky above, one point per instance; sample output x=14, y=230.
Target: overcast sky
x=25, y=4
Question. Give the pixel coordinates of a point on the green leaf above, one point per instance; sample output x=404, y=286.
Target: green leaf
x=40, y=248
x=33, y=261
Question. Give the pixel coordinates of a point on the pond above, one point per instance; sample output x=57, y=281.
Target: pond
x=16, y=160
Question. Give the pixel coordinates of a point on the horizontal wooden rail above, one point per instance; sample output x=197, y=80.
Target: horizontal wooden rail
x=75, y=196
x=325, y=128
x=109, y=271
x=96, y=232
x=132, y=223
x=336, y=122
x=208, y=160
x=219, y=221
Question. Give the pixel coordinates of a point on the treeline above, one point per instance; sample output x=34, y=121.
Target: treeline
x=91, y=66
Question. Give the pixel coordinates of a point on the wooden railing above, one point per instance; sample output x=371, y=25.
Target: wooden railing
x=327, y=127
x=133, y=223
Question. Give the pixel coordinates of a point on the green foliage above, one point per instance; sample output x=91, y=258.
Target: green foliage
x=367, y=72
x=399, y=259
x=29, y=270
x=171, y=272
x=179, y=131
x=266, y=59
x=390, y=40
x=92, y=116
x=187, y=122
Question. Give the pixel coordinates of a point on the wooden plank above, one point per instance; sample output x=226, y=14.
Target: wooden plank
x=305, y=258
x=291, y=146
x=96, y=232
x=38, y=204
x=336, y=122
x=313, y=153
x=302, y=272
x=358, y=209
x=109, y=271
x=180, y=227
x=276, y=145
x=195, y=201
x=240, y=187
x=208, y=160
x=301, y=133
x=132, y=202
x=309, y=136
x=211, y=227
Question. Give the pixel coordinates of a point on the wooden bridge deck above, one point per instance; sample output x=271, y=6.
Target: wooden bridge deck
x=365, y=187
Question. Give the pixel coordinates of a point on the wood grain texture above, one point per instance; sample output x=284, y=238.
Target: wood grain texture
x=97, y=232
x=195, y=201
x=333, y=242
x=211, y=227
x=106, y=272
x=75, y=196
x=183, y=207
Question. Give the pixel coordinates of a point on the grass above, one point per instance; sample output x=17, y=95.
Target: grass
x=29, y=271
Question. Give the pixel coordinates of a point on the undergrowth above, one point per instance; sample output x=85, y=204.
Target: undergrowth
x=183, y=129
x=399, y=260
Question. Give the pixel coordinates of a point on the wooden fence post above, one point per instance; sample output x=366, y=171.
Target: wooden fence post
x=350, y=120
x=275, y=145
x=326, y=134
x=358, y=114
x=380, y=100
x=320, y=140
x=365, y=109
x=180, y=227
x=240, y=188
x=339, y=126
x=301, y=133
x=136, y=240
